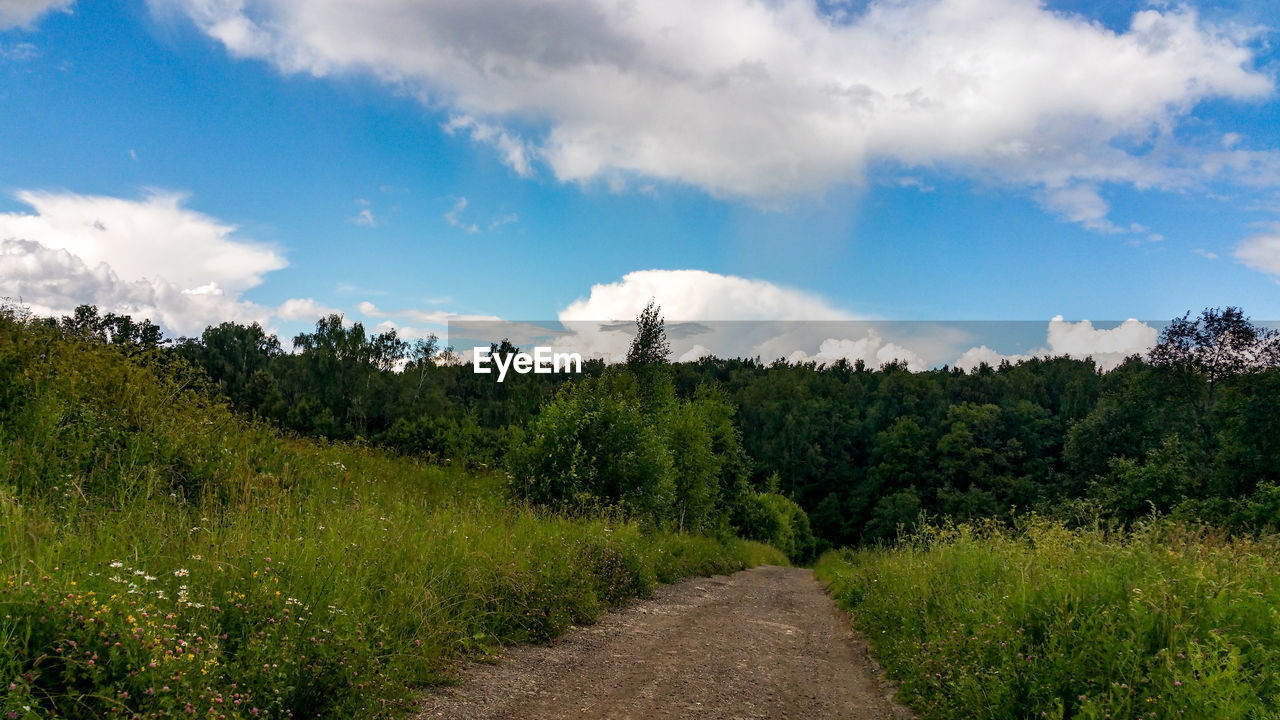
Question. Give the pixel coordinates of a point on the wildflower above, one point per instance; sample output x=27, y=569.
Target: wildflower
x=181, y=572
x=116, y=564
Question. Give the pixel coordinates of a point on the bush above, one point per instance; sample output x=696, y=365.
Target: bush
x=776, y=520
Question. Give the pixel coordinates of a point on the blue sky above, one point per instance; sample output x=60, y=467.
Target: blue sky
x=414, y=162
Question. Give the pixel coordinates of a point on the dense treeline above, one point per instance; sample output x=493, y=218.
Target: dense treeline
x=1192, y=429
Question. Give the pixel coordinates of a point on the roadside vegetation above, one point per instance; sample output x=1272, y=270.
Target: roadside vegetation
x=979, y=621
x=217, y=527
x=161, y=556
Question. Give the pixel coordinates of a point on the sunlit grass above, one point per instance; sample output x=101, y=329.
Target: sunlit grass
x=1167, y=622
x=162, y=558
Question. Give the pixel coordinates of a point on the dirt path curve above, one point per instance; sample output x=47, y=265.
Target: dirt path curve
x=763, y=643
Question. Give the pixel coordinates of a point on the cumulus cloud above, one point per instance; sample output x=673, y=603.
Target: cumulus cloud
x=765, y=100
x=697, y=352
x=1261, y=252
x=22, y=13
x=151, y=258
x=154, y=237
x=53, y=281
x=1080, y=340
x=871, y=349
x=699, y=295
x=304, y=309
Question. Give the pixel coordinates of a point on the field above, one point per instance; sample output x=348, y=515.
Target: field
x=1164, y=622
x=160, y=556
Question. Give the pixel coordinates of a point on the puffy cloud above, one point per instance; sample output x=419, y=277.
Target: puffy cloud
x=871, y=349
x=150, y=258
x=22, y=13
x=155, y=237
x=1081, y=339
x=983, y=355
x=1081, y=203
x=765, y=100
x=52, y=281
x=1108, y=348
x=1261, y=252
x=697, y=352
x=698, y=295
x=304, y=309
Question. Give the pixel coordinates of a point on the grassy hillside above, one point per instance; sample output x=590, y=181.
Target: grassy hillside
x=160, y=556
x=1048, y=623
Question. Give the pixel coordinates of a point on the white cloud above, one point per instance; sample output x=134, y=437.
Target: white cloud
x=699, y=295
x=1108, y=347
x=1080, y=340
x=432, y=317
x=1206, y=254
x=976, y=356
x=1082, y=204
x=871, y=349
x=697, y=352
x=22, y=13
x=53, y=281
x=454, y=218
x=1261, y=252
x=151, y=258
x=155, y=237
x=514, y=152
x=364, y=218
x=304, y=309
x=501, y=220
x=770, y=99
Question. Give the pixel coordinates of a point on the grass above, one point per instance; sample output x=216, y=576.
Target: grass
x=1166, y=622
x=160, y=557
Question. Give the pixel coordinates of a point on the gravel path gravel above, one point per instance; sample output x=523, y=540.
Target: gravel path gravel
x=763, y=643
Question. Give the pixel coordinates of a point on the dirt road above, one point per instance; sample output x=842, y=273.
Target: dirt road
x=764, y=643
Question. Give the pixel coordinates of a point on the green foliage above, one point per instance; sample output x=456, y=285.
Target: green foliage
x=160, y=556
x=592, y=448
x=864, y=451
x=777, y=521
x=978, y=622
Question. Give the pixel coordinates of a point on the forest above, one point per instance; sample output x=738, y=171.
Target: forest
x=1192, y=429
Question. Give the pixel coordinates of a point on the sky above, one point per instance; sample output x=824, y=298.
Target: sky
x=408, y=163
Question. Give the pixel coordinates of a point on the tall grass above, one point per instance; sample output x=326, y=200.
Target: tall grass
x=160, y=557
x=1167, y=622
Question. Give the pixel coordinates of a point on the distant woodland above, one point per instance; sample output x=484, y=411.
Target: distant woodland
x=1191, y=430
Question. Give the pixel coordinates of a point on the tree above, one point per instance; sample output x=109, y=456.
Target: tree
x=1218, y=344
x=650, y=345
